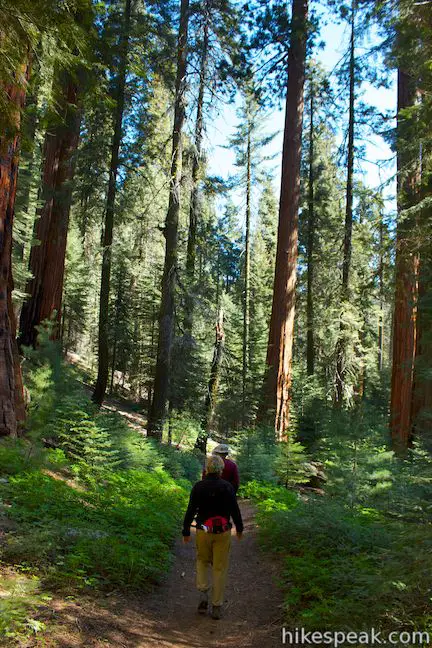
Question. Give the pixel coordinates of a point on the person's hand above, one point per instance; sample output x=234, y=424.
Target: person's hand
x=186, y=539
x=239, y=536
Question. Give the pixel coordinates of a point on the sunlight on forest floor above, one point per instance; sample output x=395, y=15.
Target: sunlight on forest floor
x=20, y=598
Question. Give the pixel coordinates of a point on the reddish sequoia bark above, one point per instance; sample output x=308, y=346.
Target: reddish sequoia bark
x=421, y=412
x=11, y=390
x=47, y=259
x=406, y=292
x=277, y=383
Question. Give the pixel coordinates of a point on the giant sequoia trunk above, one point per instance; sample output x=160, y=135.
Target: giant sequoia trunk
x=310, y=324
x=47, y=258
x=11, y=389
x=422, y=388
x=406, y=291
x=194, y=210
x=347, y=247
x=103, y=348
x=277, y=383
x=169, y=280
x=213, y=385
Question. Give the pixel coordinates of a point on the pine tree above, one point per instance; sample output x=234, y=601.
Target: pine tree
x=103, y=348
x=249, y=144
x=213, y=385
x=310, y=349
x=194, y=209
x=169, y=280
x=263, y=252
x=29, y=176
x=341, y=350
x=214, y=44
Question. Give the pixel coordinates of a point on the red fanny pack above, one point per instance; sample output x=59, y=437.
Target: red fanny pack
x=216, y=524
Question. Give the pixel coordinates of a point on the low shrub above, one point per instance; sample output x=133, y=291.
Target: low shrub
x=117, y=530
x=15, y=456
x=256, y=455
x=181, y=463
x=348, y=570
x=268, y=496
x=19, y=600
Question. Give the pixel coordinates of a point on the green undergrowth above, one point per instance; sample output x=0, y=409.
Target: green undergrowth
x=20, y=598
x=269, y=497
x=116, y=530
x=360, y=554
x=346, y=569
x=86, y=501
x=63, y=416
x=77, y=529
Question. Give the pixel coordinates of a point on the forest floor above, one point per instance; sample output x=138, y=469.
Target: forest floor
x=133, y=418
x=166, y=617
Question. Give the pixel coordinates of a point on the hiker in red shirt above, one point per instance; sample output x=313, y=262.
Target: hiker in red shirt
x=230, y=472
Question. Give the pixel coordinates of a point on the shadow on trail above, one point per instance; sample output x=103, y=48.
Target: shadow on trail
x=167, y=617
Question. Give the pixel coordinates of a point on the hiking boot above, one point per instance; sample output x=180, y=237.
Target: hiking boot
x=203, y=604
x=217, y=612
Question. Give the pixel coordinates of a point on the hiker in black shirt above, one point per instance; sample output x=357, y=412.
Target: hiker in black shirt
x=213, y=502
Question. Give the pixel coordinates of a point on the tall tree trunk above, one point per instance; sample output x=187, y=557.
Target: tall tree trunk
x=381, y=297
x=103, y=350
x=47, y=258
x=310, y=340
x=195, y=208
x=406, y=290
x=213, y=385
x=277, y=382
x=12, y=411
x=422, y=387
x=116, y=321
x=170, y=423
x=169, y=280
x=27, y=171
x=152, y=354
x=347, y=247
x=246, y=295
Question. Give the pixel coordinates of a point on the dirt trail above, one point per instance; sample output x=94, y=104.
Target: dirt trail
x=167, y=617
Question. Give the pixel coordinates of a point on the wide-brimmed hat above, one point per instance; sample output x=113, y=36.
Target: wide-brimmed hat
x=222, y=448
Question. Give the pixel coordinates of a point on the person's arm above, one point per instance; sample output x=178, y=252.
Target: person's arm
x=235, y=512
x=190, y=512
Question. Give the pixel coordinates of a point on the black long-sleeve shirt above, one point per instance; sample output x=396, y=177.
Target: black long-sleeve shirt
x=210, y=497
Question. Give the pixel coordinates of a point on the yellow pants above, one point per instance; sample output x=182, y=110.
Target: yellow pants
x=213, y=549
